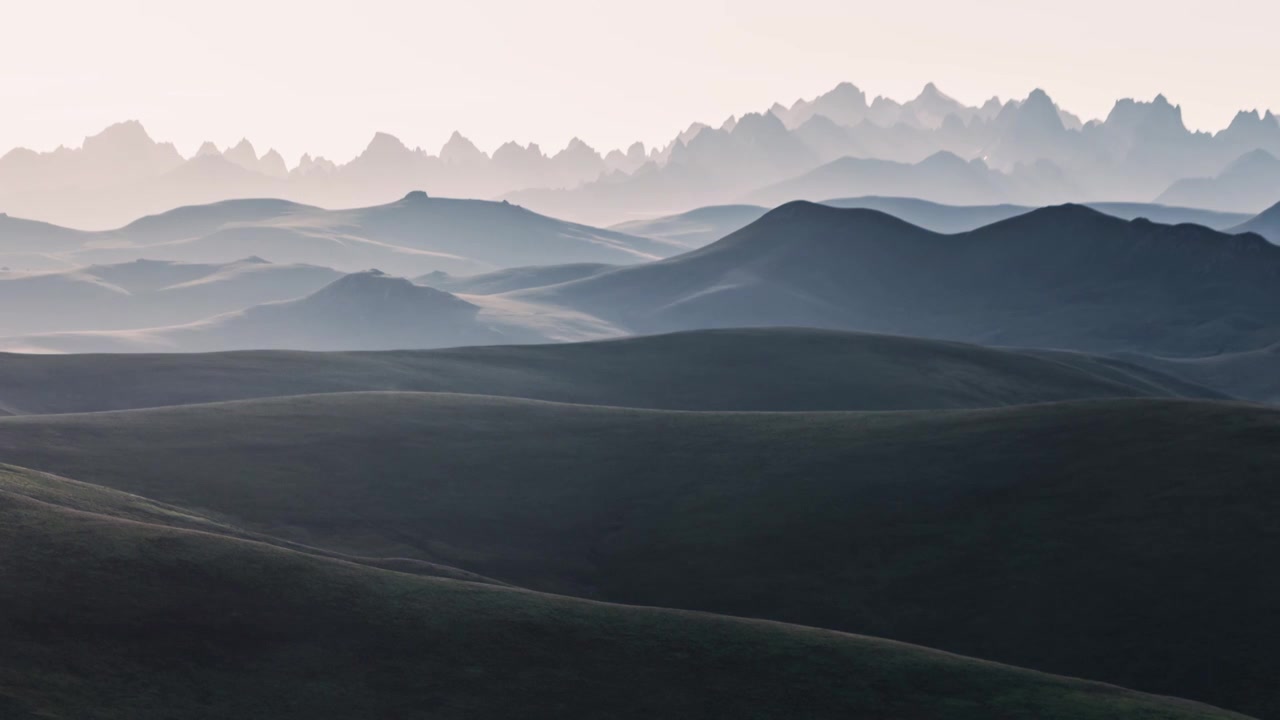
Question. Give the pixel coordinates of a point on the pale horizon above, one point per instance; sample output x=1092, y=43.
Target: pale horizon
x=316, y=78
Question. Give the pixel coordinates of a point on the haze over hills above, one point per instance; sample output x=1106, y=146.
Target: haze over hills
x=144, y=589
x=979, y=382
x=1021, y=151
x=943, y=178
x=516, y=278
x=717, y=403
x=147, y=293
x=1250, y=184
x=695, y=228
x=1063, y=277
x=1032, y=280
x=762, y=369
x=1004, y=513
x=414, y=235
x=703, y=226
x=1250, y=374
x=360, y=311
x=1030, y=150
x=1266, y=224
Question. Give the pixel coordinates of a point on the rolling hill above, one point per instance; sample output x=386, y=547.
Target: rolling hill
x=762, y=369
x=1060, y=277
x=695, y=228
x=412, y=236
x=146, y=293
x=1129, y=541
x=1251, y=374
x=509, y=279
x=360, y=311
x=703, y=226
x=104, y=597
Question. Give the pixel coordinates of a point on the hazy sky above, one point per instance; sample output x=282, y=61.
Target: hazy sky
x=322, y=76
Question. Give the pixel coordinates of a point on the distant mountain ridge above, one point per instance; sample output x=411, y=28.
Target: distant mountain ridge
x=1139, y=151
x=703, y=226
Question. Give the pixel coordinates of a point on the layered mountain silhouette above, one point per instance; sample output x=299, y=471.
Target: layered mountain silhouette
x=695, y=228
x=1061, y=277
x=360, y=311
x=1249, y=184
x=854, y=407
x=700, y=227
x=943, y=178
x=147, y=293
x=412, y=236
x=1041, y=152
x=1266, y=224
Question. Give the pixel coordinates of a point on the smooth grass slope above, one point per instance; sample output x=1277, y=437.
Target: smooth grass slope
x=110, y=615
x=752, y=369
x=1129, y=541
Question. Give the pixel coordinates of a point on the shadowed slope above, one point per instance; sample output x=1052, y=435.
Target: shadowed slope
x=1252, y=374
x=1266, y=224
x=223, y=628
x=700, y=227
x=1064, y=277
x=360, y=311
x=761, y=369
x=1129, y=541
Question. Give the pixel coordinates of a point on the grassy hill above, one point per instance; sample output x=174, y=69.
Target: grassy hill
x=361, y=311
x=121, y=617
x=1252, y=374
x=1062, y=277
x=1130, y=541
x=756, y=369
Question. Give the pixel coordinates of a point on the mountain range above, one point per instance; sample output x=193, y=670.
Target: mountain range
x=1032, y=451
x=703, y=226
x=411, y=236
x=1026, y=150
x=1066, y=277
x=360, y=311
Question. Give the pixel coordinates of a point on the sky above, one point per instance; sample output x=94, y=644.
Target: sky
x=322, y=76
